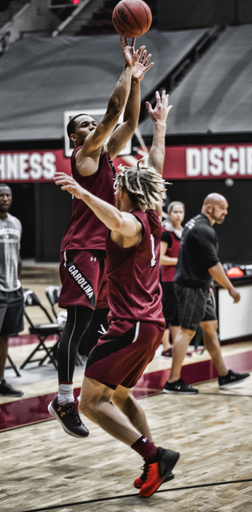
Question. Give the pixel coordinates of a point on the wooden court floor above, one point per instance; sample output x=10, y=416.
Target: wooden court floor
x=43, y=469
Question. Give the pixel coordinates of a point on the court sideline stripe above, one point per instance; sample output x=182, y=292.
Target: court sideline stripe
x=64, y=505
x=159, y=393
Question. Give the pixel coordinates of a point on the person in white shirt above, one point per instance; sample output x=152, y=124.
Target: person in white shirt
x=11, y=295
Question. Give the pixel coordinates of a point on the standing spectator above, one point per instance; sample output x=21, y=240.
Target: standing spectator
x=198, y=264
x=11, y=295
x=170, y=244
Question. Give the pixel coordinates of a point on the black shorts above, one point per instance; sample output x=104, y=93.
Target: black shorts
x=170, y=307
x=11, y=312
x=194, y=306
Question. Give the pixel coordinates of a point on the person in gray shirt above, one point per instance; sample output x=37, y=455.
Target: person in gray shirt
x=11, y=295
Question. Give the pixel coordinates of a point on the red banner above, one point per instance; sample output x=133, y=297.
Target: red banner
x=181, y=163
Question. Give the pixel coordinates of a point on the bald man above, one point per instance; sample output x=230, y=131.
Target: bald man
x=198, y=264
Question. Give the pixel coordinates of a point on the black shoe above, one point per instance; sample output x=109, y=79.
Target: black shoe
x=69, y=418
x=231, y=379
x=180, y=387
x=157, y=472
x=7, y=390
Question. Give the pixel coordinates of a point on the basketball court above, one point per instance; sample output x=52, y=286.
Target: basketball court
x=45, y=469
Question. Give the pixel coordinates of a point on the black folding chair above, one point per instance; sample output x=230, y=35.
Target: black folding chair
x=53, y=294
x=41, y=331
x=12, y=366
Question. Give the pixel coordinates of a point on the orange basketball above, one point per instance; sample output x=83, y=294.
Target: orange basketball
x=132, y=18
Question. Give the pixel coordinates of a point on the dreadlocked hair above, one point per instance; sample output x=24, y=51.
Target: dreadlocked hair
x=142, y=184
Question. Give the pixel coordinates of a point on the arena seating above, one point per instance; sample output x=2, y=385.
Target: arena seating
x=64, y=73
x=215, y=96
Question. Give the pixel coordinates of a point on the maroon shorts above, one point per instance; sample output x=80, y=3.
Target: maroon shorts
x=122, y=354
x=82, y=275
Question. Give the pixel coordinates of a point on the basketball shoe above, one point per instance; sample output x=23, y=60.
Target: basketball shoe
x=180, y=387
x=231, y=379
x=69, y=418
x=8, y=390
x=141, y=480
x=158, y=471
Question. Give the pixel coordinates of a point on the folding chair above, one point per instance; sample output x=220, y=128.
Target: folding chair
x=12, y=366
x=42, y=331
x=53, y=293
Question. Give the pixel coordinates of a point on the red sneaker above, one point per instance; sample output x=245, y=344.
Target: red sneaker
x=158, y=471
x=141, y=480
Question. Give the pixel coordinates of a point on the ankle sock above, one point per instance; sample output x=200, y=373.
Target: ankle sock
x=146, y=449
x=65, y=393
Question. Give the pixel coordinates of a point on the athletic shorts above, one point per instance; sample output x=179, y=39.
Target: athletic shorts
x=122, y=354
x=11, y=312
x=194, y=306
x=169, y=300
x=82, y=276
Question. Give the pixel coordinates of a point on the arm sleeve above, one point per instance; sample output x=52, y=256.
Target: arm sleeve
x=208, y=247
x=166, y=237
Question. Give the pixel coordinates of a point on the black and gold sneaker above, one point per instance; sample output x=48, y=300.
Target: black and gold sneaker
x=69, y=418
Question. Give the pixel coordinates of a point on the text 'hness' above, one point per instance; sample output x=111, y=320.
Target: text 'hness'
x=216, y=161
x=25, y=166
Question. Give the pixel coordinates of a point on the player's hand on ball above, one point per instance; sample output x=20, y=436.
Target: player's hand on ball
x=131, y=55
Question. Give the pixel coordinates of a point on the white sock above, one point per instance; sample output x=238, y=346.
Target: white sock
x=65, y=393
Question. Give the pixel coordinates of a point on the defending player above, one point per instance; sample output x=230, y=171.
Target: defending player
x=82, y=266
x=136, y=322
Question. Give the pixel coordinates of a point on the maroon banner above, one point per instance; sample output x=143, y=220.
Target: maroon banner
x=205, y=162
x=181, y=163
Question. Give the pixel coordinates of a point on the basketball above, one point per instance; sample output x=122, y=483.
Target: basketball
x=132, y=18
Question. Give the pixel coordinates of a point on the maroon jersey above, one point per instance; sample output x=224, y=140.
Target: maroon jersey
x=84, y=230
x=134, y=290
x=173, y=241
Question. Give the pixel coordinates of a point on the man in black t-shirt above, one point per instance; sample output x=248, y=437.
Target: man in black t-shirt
x=198, y=264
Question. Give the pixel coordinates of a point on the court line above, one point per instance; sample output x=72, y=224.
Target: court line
x=225, y=394
x=24, y=425
x=111, y=498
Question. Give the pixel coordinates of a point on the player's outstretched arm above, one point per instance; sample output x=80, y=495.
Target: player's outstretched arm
x=122, y=222
x=159, y=116
x=124, y=132
x=96, y=139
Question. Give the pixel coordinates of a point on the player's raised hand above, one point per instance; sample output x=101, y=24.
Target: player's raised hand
x=131, y=55
x=68, y=183
x=142, y=65
x=161, y=109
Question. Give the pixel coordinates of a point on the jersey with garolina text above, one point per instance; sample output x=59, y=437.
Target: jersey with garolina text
x=10, y=236
x=84, y=230
x=134, y=290
x=198, y=253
